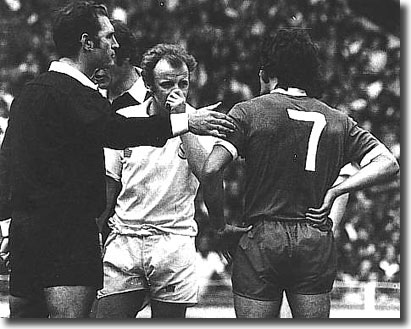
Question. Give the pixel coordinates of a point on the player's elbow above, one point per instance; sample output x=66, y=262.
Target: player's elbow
x=394, y=166
x=390, y=167
x=209, y=173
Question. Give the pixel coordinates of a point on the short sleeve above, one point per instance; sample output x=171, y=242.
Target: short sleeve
x=238, y=137
x=359, y=142
x=113, y=163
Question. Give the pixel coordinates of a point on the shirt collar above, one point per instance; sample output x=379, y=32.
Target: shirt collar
x=65, y=68
x=290, y=91
x=138, y=90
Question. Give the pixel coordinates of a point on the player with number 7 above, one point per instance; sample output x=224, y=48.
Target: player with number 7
x=294, y=147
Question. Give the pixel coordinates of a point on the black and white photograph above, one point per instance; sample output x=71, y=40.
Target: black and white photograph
x=201, y=159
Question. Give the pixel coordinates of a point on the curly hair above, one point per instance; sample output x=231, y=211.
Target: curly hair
x=127, y=43
x=174, y=54
x=292, y=58
x=71, y=21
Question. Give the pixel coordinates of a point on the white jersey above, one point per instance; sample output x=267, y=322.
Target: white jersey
x=158, y=186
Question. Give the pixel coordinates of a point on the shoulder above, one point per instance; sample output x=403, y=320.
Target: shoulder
x=251, y=106
x=62, y=84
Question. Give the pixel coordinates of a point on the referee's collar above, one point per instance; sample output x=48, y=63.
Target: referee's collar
x=65, y=68
x=289, y=91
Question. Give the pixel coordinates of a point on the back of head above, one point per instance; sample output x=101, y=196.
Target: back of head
x=127, y=43
x=71, y=21
x=175, y=55
x=292, y=58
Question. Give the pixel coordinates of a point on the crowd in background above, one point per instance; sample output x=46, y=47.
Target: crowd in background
x=361, y=77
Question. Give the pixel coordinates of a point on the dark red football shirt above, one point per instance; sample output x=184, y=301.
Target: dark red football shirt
x=294, y=148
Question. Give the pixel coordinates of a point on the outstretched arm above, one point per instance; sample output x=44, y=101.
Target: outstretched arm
x=203, y=121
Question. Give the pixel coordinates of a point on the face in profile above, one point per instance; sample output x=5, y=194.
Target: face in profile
x=169, y=79
x=107, y=44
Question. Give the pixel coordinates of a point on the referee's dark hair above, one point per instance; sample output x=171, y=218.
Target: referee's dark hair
x=291, y=56
x=71, y=21
x=127, y=43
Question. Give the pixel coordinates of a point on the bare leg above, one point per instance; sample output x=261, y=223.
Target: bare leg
x=21, y=307
x=309, y=306
x=69, y=301
x=168, y=310
x=120, y=306
x=246, y=308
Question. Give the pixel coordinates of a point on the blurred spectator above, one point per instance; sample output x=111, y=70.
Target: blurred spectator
x=390, y=265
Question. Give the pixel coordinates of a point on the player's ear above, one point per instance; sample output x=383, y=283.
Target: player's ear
x=86, y=42
x=265, y=86
x=264, y=76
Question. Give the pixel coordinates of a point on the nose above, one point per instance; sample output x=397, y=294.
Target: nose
x=176, y=89
x=115, y=44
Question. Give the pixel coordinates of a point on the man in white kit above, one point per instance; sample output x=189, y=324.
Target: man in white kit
x=150, y=252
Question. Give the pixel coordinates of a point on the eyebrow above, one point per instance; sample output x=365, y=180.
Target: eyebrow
x=171, y=75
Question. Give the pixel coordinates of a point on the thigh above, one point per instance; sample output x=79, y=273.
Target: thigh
x=163, y=310
x=309, y=306
x=69, y=301
x=247, y=308
x=120, y=306
x=23, y=307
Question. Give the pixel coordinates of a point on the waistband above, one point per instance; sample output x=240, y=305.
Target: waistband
x=121, y=228
x=326, y=225
x=275, y=218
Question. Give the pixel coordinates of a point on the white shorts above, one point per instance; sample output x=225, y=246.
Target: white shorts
x=162, y=264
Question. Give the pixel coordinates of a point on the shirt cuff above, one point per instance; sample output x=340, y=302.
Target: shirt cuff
x=179, y=123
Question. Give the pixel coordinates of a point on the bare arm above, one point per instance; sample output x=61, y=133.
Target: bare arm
x=195, y=153
x=381, y=167
x=340, y=204
x=213, y=191
x=113, y=189
x=212, y=183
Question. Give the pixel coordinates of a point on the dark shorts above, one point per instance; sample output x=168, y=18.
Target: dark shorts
x=48, y=252
x=276, y=256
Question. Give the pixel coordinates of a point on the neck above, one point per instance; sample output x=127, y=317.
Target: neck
x=79, y=64
x=127, y=80
x=73, y=63
x=266, y=87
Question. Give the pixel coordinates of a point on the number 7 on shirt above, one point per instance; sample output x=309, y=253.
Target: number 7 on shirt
x=319, y=123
